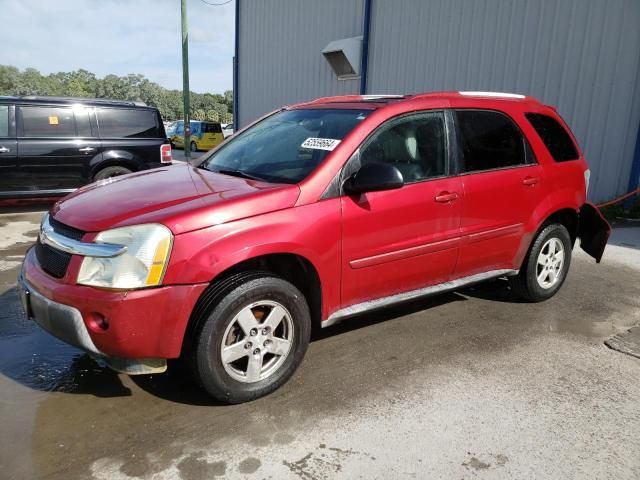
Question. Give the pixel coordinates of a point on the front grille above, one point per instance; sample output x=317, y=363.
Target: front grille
x=53, y=261
x=65, y=230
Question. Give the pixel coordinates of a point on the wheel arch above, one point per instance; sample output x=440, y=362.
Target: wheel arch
x=114, y=158
x=564, y=214
x=568, y=217
x=294, y=268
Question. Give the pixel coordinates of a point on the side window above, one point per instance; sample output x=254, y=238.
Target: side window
x=489, y=140
x=554, y=136
x=415, y=145
x=127, y=123
x=4, y=120
x=47, y=122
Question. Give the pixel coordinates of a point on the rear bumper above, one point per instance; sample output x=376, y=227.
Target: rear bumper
x=148, y=323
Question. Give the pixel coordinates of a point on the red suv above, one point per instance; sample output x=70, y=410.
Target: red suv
x=313, y=214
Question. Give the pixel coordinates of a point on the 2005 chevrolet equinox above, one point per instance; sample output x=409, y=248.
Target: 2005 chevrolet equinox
x=313, y=214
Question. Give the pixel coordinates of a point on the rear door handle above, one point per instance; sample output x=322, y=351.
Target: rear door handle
x=86, y=149
x=530, y=181
x=446, y=197
x=4, y=149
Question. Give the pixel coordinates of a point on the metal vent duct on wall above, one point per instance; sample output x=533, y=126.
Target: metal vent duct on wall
x=344, y=56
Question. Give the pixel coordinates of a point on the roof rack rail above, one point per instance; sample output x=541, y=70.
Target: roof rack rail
x=356, y=98
x=104, y=101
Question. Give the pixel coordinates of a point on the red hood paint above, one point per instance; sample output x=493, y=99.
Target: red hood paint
x=181, y=197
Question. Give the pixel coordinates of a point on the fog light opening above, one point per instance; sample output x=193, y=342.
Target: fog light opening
x=98, y=322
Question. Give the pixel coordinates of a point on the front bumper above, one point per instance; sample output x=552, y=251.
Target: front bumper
x=61, y=321
x=133, y=324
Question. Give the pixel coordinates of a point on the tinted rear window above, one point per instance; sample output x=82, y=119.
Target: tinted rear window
x=554, y=136
x=128, y=123
x=212, y=128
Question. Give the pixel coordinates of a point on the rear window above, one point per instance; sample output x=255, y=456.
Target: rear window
x=128, y=123
x=554, y=136
x=212, y=128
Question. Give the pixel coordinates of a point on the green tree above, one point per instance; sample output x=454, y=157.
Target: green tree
x=82, y=83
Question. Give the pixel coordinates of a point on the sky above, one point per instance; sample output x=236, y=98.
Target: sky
x=121, y=37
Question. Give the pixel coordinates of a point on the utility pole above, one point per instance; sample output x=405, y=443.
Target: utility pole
x=185, y=82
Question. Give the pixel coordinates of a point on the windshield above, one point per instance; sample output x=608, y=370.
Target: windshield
x=285, y=147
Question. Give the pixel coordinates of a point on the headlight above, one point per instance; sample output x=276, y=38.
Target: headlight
x=142, y=265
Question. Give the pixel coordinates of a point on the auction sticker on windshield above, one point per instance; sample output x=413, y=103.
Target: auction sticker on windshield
x=320, y=143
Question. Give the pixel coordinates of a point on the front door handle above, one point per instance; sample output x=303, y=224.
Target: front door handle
x=86, y=149
x=530, y=181
x=4, y=149
x=446, y=197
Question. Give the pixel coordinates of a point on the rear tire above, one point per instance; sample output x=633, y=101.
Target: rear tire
x=110, y=172
x=194, y=147
x=545, y=267
x=253, y=332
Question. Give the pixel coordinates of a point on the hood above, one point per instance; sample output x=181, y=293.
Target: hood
x=182, y=197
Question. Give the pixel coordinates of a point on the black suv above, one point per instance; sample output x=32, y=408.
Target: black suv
x=49, y=146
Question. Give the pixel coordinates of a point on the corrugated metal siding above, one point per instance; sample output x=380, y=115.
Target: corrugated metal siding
x=583, y=56
x=279, y=51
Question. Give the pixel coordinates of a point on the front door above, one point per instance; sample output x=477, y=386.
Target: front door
x=55, y=147
x=401, y=240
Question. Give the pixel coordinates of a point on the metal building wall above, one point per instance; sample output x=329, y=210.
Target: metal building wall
x=582, y=56
x=279, y=51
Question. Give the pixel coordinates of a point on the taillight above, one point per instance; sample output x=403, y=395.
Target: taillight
x=165, y=153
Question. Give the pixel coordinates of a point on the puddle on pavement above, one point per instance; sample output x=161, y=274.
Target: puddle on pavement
x=35, y=359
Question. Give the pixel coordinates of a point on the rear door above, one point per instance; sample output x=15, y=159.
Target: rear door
x=9, y=178
x=401, y=240
x=56, y=146
x=503, y=184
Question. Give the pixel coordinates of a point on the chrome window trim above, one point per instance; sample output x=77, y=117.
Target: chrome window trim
x=48, y=236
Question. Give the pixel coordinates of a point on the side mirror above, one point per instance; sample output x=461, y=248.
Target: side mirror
x=373, y=177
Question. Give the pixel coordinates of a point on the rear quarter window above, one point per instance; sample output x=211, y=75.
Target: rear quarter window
x=554, y=136
x=128, y=123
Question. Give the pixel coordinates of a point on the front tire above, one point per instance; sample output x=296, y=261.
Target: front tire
x=252, y=337
x=545, y=267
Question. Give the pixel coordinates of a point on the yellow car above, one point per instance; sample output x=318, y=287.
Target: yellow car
x=204, y=135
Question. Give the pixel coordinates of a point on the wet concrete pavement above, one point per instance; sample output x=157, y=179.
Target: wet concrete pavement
x=465, y=385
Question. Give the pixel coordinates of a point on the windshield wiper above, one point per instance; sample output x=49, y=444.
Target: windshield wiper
x=239, y=173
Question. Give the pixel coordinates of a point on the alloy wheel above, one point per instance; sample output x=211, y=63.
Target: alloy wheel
x=550, y=263
x=257, y=341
